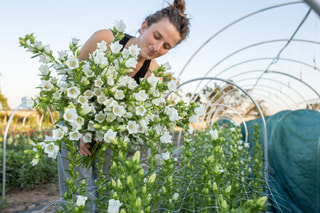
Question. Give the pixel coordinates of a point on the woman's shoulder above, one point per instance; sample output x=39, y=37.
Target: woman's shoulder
x=103, y=34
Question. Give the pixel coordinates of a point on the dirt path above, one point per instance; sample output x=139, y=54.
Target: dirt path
x=34, y=200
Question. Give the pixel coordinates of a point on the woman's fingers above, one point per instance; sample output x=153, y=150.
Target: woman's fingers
x=84, y=149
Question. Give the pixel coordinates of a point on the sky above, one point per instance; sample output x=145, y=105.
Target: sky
x=57, y=22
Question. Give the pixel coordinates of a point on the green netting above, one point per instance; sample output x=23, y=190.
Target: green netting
x=294, y=160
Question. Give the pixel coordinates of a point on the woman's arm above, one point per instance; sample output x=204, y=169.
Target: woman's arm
x=91, y=45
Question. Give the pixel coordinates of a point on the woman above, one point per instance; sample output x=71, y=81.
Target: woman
x=159, y=33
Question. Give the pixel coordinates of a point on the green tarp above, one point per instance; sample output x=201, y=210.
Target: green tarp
x=294, y=159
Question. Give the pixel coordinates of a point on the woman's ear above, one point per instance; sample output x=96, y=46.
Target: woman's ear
x=144, y=26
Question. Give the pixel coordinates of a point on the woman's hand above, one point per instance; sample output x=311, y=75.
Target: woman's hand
x=84, y=148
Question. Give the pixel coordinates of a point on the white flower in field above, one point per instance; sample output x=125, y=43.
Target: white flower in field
x=46, y=85
x=193, y=119
x=118, y=110
x=88, y=93
x=132, y=84
x=246, y=145
x=38, y=45
x=85, y=109
x=101, y=99
x=172, y=85
x=102, y=45
x=97, y=91
x=166, y=66
x=73, y=92
x=240, y=148
x=165, y=156
x=158, y=128
x=99, y=136
x=131, y=63
x=214, y=134
x=56, y=95
x=153, y=80
x=175, y=196
x=125, y=53
x=134, y=50
x=87, y=138
x=81, y=200
x=199, y=110
x=70, y=114
x=87, y=70
x=75, y=135
x=128, y=115
x=51, y=149
x=35, y=161
x=100, y=117
x=26, y=102
x=119, y=25
x=44, y=69
x=44, y=59
x=79, y=121
x=72, y=63
x=232, y=129
x=98, y=82
x=100, y=59
x=109, y=135
x=110, y=117
x=114, y=206
x=47, y=48
x=172, y=113
x=158, y=101
x=82, y=99
x=57, y=134
x=90, y=126
x=62, y=54
x=75, y=41
x=116, y=47
x=140, y=110
x=132, y=127
x=119, y=95
x=166, y=138
x=141, y=95
x=156, y=93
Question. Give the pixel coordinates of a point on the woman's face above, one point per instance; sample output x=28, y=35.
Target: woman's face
x=157, y=39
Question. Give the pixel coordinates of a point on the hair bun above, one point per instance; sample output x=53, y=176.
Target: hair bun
x=180, y=5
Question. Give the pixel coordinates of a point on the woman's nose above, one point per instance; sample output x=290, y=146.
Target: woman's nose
x=157, y=46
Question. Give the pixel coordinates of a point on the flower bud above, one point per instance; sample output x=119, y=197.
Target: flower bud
x=228, y=189
x=215, y=187
x=152, y=178
x=122, y=211
x=136, y=157
x=113, y=183
x=224, y=205
x=138, y=203
x=261, y=201
x=130, y=181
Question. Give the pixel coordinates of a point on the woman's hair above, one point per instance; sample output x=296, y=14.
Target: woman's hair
x=175, y=13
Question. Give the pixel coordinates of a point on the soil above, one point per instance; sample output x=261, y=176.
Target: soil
x=43, y=198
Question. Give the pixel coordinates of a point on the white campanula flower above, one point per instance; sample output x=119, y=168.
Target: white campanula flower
x=172, y=85
x=156, y=93
x=134, y=50
x=97, y=91
x=119, y=110
x=99, y=136
x=46, y=85
x=172, y=113
x=87, y=138
x=90, y=126
x=81, y=200
x=85, y=109
x=62, y=54
x=119, y=95
x=175, y=196
x=166, y=138
x=128, y=115
x=116, y=47
x=79, y=121
x=35, y=160
x=47, y=48
x=123, y=81
x=101, y=59
x=73, y=92
x=158, y=128
x=131, y=63
x=102, y=45
x=38, y=45
x=157, y=101
x=125, y=53
x=119, y=25
x=165, y=156
x=140, y=110
x=44, y=69
x=199, y=110
x=190, y=130
x=56, y=95
x=100, y=117
x=75, y=41
x=27, y=102
x=153, y=80
x=75, y=135
x=88, y=93
x=101, y=99
x=57, y=134
x=82, y=99
x=214, y=134
x=166, y=66
x=111, y=116
x=87, y=71
x=132, y=127
x=132, y=84
x=109, y=135
x=232, y=129
x=98, y=82
x=72, y=63
x=70, y=114
x=246, y=145
x=193, y=119
x=141, y=95
x=114, y=206
x=44, y=59
x=51, y=149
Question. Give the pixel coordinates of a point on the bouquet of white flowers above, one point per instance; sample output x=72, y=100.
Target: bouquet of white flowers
x=98, y=101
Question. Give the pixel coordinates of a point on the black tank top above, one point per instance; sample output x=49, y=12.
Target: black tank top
x=144, y=69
